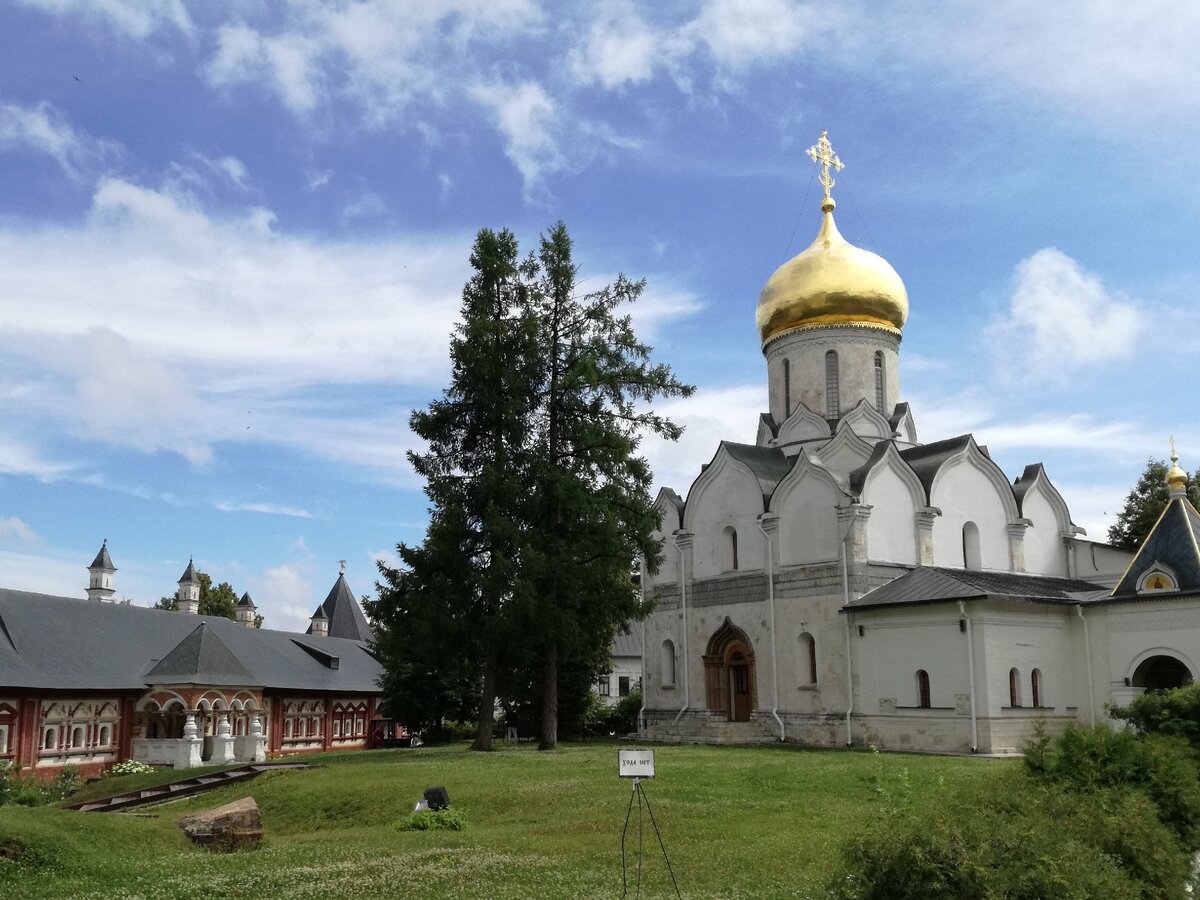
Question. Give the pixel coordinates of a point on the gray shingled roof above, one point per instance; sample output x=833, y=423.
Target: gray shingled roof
x=628, y=643
x=246, y=602
x=64, y=643
x=200, y=658
x=1174, y=541
x=934, y=584
x=927, y=459
x=103, y=560
x=769, y=464
x=346, y=619
x=189, y=574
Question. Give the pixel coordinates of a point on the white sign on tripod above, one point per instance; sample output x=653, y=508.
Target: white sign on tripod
x=635, y=763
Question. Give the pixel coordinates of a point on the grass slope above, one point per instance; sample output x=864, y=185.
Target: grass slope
x=737, y=821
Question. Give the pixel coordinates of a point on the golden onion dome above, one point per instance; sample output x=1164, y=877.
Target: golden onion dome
x=1176, y=478
x=832, y=283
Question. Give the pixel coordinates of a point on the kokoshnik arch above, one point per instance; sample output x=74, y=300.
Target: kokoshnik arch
x=840, y=582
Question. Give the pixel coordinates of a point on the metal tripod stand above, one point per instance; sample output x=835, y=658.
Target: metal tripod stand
x=640, y=793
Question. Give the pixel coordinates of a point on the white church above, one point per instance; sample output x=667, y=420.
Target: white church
x=840, y=582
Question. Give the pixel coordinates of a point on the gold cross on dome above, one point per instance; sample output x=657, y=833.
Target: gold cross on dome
x=822, y=154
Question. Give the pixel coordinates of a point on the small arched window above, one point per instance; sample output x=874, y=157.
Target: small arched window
x=1035, y=687
x=1014, y=687
x=729, y=552
x=50, y=739
x=970, y=542
x=923, y=689
x=879, y=392
x=666, y=657
x=787, y=387
x=808, y=659
x=77, y=736
x=833, y=401
x=105, y=736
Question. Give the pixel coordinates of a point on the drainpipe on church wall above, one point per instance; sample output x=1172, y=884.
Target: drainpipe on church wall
x=642, y=586
x=962, y=611
x=1087, y=653
x=846, y=603
x=770, y=562
x=682, y=539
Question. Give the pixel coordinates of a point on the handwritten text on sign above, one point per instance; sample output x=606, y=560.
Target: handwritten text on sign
x=635, y=763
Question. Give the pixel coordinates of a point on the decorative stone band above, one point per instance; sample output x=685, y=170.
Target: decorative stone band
x=834, y=321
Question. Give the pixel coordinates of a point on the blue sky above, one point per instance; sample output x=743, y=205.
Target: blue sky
x=233, y=238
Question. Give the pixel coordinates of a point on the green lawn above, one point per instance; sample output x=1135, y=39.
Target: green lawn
x=737, y=821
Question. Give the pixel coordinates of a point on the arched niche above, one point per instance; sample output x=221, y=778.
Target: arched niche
x=969, y=487
x=806, y=502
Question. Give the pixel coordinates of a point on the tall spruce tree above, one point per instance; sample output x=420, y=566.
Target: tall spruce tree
x=590, y=490
x=467, y=573
x=1145, y=504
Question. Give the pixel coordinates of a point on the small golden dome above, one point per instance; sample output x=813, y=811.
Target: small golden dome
x=1176, y=478
x=832, y=283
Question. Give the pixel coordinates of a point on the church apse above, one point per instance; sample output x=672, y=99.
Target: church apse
x=730, y=684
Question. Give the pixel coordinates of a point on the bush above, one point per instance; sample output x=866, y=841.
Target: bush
x=1175, y=712
x=600, y=719
x=972, y=848
x=30, y=790
x=1016, y=840
x=434, y=820
x=1085, y=760
x=129, y=767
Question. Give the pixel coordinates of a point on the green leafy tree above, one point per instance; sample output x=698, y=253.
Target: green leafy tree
x=590, y=490
x=1145, y=504
x=455, y=591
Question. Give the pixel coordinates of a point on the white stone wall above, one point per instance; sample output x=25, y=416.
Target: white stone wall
x=856, y=347
x=891, y=529
x=1044, y=550
x=965, y=493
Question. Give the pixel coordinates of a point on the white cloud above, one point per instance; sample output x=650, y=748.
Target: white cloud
x=273, y=509
x=133, y=18
x=215, y=316
x=44, y=129
x=619, y=48
x=18, y=457
x=527, y=118
x=1062, y=320
x=285, y=596
x=740, y=33
x=709, y=416
x=1114, y=63
x=14, y=527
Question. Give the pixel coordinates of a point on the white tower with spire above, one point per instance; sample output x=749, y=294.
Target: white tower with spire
x=100, y=574
x=187, y=598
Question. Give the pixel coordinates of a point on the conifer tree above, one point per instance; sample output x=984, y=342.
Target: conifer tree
x=590, y=489
x=455, y=590
x=1145, y=504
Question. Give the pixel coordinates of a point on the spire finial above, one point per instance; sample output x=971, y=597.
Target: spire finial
x=823, y=155
x=342, y=564
x=1176, y=478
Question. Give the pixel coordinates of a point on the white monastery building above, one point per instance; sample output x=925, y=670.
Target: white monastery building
x=839, y=582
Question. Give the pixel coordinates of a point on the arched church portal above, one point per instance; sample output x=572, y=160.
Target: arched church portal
x=1159, y=673
x=729, y=681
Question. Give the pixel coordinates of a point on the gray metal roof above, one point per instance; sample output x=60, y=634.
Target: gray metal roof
x=628, y=643
x=1174, y=541
x=927, y=459
x=346, y=619
x=246, y=602
x=934, y=584
x=189, y=574
x=103, y=560
x=200, y=658
x=769, y=464
x=63, y=643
